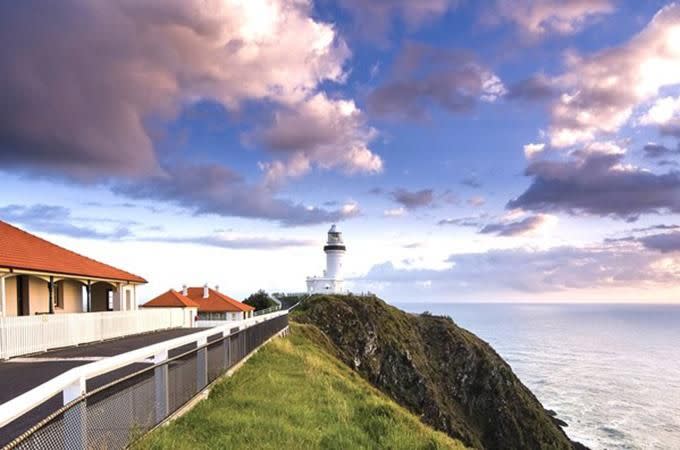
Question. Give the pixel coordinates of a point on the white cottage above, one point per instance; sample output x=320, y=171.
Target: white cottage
x=39, y=277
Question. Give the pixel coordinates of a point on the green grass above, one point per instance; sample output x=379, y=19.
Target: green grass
x=294, y=393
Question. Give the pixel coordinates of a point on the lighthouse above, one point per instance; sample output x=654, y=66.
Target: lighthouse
x=331, y=281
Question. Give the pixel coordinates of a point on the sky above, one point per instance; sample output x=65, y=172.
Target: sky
x=497, y=150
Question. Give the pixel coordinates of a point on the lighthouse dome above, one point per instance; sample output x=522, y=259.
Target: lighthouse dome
x=334, y=241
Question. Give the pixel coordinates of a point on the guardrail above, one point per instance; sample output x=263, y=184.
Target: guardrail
x=112, y=415
x=24, y=335
x=269, y=310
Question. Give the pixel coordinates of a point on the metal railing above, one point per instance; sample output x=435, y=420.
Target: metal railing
x=24, y=335
x=111, y=402
x=269, y=310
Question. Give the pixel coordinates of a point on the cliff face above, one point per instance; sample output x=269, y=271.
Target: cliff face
x=455, y=381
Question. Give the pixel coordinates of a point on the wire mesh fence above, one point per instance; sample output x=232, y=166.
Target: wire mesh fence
x=114, y=415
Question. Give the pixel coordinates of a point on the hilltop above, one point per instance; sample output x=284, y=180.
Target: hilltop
x=296, y=393
x=455, y=381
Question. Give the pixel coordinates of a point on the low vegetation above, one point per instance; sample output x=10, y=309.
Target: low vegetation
x=259, y=300
x=295, y=393
x=451, y=379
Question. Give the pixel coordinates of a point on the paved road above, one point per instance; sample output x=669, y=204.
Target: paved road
x=22, y=374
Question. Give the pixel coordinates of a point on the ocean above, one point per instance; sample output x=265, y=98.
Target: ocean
x=612, y=372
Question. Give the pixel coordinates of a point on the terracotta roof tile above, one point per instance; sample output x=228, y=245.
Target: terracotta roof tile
x=216, y=301
x=171, y=299
x=22, y=250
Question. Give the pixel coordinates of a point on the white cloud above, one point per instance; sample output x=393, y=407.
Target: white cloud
x=533, y=150
x=147, y=59
x=539, y=17
x=492, y=88
x=320, y=132
x=661, y=112
x=602, y=90
x=395, y=212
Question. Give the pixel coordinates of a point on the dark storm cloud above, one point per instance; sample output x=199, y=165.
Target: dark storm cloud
x=515, y=228
x=425, y=76
x=594, y=183
x=215, y=189
x=413, y=199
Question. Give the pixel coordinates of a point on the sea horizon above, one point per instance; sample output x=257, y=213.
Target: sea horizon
x=611, y=371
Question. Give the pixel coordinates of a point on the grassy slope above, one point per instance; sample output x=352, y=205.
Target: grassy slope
x=455, y=381
x=295, y=393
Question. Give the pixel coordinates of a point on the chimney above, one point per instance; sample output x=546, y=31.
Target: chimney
x=205, y=291
x=185, y=290
x=217, y=287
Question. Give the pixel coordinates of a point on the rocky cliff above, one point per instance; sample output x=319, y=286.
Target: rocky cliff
x=455, y=381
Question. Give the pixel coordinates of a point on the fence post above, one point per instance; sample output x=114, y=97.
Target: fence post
x=161, y=383
x=201, y=364
x=75, y=418
x=226, y=344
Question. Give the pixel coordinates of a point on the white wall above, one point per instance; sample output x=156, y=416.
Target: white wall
x=72, y=293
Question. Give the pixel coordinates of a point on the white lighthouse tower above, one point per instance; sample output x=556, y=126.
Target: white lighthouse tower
x=331, y=281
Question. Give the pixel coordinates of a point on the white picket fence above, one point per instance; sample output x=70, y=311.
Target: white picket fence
x=33, y=334
x=216, y=323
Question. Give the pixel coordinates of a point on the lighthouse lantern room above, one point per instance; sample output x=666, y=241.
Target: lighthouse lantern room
x=331, y=281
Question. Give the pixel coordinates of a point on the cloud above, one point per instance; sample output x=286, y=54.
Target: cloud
x=411, y=200
x=395, y=212
x=663, y=242
x=215, y=189
x=655, y=151
x=319, y=131
x=536, y=18
x=596, y=181
x=472, y=182
x=58, y=220
x=234, y=243
x=476, y=201
x=425, y=76
x=662, y=238
x=469, y=221
x=535, y=88
x=82, y=79
x=533, y=150
x=520, y=227
x=661, y=112
x=655, y=228
x=373, y=19
x=526, y=271
x=601, y=91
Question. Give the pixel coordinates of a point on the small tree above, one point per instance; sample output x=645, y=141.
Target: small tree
x=259, y=300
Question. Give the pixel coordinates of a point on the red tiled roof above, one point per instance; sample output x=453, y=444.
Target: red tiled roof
x=216, y=301
x=171, y=299
x=22, y=250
